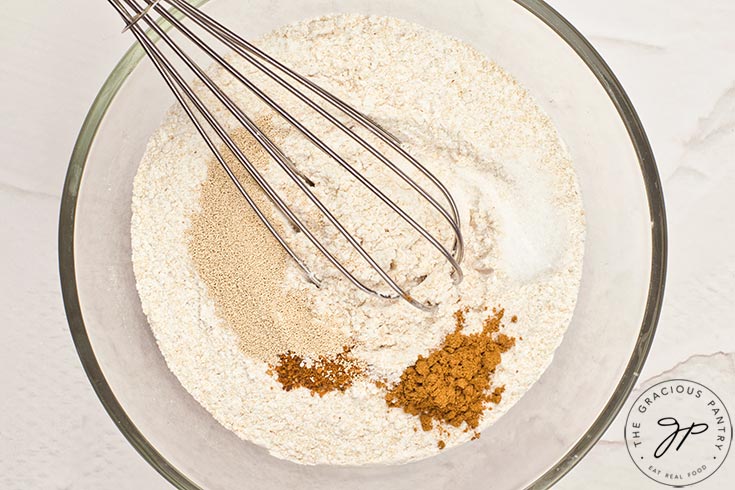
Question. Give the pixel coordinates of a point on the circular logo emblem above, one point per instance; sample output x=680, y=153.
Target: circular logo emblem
x=678, y=432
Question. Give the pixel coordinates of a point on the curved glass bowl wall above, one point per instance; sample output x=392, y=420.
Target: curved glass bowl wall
x=559, y=419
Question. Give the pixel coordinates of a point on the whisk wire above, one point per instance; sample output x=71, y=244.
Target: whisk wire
x=320, y=143
x=246, y=49
x=269, y=146
x=182, y=91
x=177, y=86
x=134, y=20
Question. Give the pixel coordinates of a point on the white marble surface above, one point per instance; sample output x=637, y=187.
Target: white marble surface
x=677, y=61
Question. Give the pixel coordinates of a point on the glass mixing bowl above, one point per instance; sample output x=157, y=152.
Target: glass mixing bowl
x=544, y=434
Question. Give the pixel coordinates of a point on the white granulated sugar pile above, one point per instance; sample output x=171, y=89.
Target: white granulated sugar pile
x=471, y=125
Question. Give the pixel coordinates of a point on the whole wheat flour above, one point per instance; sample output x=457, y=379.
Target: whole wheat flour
x=467, y=121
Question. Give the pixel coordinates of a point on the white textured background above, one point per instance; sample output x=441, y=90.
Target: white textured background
x=675, y=58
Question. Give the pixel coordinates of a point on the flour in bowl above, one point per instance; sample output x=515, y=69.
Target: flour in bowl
x=234, y=317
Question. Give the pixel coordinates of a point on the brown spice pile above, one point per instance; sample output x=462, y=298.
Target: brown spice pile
x=452, y=384
x=319, y=377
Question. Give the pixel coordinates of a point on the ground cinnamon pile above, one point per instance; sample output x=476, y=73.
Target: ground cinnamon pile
x=319, y=376
x=452, y=384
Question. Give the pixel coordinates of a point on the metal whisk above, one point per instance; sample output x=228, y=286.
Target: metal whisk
x=137, y=12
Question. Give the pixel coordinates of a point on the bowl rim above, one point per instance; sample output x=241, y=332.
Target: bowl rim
x=659, y=244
